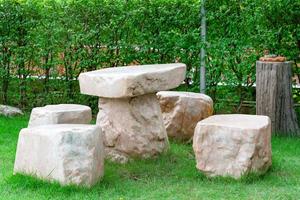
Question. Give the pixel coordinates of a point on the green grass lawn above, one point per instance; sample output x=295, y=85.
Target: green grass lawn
x=171, y=176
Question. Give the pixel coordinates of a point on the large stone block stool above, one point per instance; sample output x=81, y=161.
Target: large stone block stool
x=233, y=145
x=182, y=111
x=60, y=114
x=129, y=112
x=67, y=153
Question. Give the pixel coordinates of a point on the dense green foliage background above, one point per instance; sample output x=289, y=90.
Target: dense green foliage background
x=44, y=38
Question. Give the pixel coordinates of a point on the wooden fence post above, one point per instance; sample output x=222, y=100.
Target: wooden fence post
x=274, y=96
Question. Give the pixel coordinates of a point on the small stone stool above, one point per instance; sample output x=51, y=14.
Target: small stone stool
x=233, y=145
x=129, y=112
x=67, y=153
x=182, y=111
x=60, y=114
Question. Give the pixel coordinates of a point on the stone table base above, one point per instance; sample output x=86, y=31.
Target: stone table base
x=132, y=127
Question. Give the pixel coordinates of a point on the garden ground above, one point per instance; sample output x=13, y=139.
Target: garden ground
x=170, y=176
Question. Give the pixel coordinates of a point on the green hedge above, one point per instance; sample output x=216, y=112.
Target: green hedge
x=85, y=35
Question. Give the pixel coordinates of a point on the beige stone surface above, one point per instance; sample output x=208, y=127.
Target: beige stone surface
x=69, y=154
x=132, y=81
x=233, y=145
x=182, y=111
x=10, y=111
x=60, y=114
x=132, y=127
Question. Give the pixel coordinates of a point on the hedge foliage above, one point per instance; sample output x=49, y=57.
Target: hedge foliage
x=60, y=39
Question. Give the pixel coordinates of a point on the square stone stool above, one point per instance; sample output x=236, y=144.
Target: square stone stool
x=233, y=145
x=60, y=114
x=67, y=153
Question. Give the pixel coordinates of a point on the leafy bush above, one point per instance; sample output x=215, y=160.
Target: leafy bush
x=60, y=39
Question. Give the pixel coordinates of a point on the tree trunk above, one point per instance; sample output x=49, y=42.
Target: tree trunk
x=274, y=96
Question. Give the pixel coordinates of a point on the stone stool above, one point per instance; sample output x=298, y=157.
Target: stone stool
x=60, y=114
x=233, y=145
x=67, y=153
x=182, y=111
x=129, y=112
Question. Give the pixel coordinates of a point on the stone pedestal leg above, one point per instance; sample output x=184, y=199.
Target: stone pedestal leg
x=132, y=127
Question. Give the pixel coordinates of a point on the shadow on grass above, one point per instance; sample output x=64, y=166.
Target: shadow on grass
x=172, y=167
x=175, y=165
x=137, y=172
x=33, y=183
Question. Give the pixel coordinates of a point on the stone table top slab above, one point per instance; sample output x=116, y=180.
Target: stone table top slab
x=119, y=82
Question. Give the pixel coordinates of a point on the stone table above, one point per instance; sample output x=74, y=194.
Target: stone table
x=129, y=112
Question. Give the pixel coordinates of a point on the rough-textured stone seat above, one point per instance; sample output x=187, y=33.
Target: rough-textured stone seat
x=233, y=145
x=129, y=112
x=182, y=111
x=67, y=153
x=60, y=114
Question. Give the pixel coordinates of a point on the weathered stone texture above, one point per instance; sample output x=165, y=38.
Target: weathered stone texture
x=10, y=111
x=132, y=81
x=233, y=145
x=132, y=127
x=69, y=154
x=60, y=114
x=182, y=111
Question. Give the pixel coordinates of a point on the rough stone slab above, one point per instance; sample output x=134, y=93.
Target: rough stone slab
x=182, y=111
x=233, y=145
x=60, y=114
x=132, y=127
x=69, y=154
x=132, y=81
x=10, y=111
